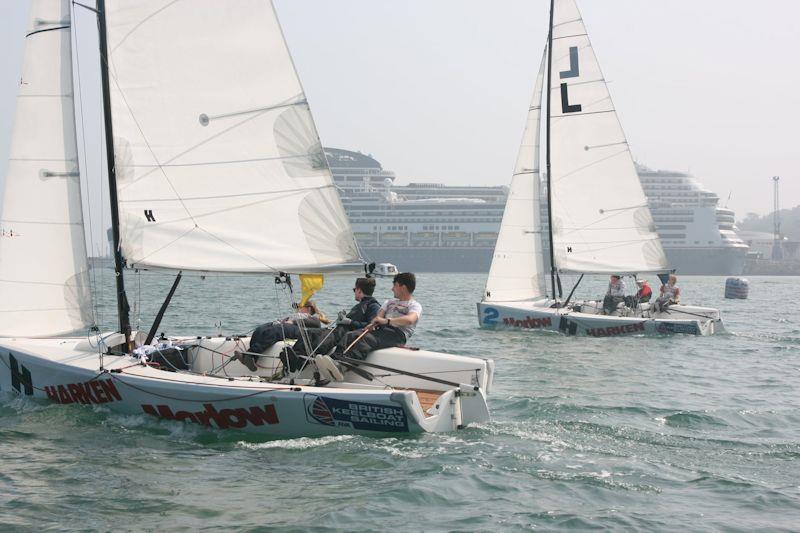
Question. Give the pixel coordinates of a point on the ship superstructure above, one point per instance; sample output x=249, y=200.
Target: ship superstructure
x=435, y=227
x=697, y=234
x=420, y=226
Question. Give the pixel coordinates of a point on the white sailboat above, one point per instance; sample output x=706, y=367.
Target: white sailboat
x=385, y=270
x=215, y=165
x=598, y=219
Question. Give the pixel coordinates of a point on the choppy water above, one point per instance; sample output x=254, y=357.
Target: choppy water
x=669, y=433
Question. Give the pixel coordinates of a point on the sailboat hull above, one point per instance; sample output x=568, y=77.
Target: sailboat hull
x=539, y=316
x=65, y=371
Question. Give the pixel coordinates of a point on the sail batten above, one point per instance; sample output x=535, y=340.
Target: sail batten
x=219, y=163
x=44, y=278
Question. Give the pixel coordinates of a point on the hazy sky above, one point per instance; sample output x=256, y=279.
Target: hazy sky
x=438, y=90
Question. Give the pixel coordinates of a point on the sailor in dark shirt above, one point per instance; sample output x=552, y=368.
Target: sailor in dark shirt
x=323, y=341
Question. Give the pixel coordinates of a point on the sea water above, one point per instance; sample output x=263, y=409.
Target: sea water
x=667, y=433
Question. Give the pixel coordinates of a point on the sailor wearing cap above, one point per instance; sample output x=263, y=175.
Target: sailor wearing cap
x=645, y=292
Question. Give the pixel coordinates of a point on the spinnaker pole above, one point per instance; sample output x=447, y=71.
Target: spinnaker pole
x=123, y=308
x=547, y=152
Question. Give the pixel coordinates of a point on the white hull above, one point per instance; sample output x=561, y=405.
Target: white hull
x=67, y=371
x=538, y=315
x=385, y=270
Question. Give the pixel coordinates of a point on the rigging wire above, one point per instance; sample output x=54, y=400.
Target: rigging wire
x=137, y=304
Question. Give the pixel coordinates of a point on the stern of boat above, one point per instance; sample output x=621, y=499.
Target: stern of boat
x=451, y=410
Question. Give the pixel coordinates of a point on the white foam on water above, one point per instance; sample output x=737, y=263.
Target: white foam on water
x=406, y=454
x=24, y=404
x=303, y=443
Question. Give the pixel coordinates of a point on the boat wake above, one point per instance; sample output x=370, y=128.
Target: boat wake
x=303, y=443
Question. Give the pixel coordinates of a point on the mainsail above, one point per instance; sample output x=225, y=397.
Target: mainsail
x=516, y=272
x=218, y=161
x=44, y=278
x=601, y=222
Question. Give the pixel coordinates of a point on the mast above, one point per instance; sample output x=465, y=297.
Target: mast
x=122, y=299
x=547, y=156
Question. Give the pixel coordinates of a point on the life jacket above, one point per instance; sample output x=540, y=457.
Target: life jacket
x=364, y=311
x=645, y=292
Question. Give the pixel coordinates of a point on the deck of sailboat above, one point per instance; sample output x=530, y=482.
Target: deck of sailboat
x=69, y=351
x=427, y=398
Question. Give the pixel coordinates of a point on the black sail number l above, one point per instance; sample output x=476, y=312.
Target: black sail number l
x=573, y=72
x=565, y=107
x=574, y=68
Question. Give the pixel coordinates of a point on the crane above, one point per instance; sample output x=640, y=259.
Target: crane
x=777, y=249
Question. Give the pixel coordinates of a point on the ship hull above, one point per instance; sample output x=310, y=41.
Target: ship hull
x=433, y=259
x=698, y=261
x=686, y=261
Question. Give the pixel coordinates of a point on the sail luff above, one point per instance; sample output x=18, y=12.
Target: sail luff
x=219, y=163
x=516, y=272
x=44, y=278
x=548, y=158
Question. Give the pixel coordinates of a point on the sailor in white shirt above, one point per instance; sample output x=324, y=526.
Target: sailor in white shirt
x=614, y=295
x=395, y=322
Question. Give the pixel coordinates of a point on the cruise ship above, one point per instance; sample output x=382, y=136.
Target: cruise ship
x=698, y=236
x=430, y=227
x=426, y=227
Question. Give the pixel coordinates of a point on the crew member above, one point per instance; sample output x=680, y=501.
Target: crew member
x=615, y=294
x=394, y=325
x=322, y=341
x=670, y=294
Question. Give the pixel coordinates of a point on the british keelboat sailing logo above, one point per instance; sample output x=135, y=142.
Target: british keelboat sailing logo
x=320, y=412
x=355, y=415
x=673, y=327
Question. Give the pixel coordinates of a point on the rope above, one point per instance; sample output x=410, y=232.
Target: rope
x=666, y=311
x=216, y=400
x=141, y=389
x=330, y=332
x=138, y=304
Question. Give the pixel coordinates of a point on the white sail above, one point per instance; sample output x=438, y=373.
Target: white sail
x=517, y=272
x=218, y=161
x=44, y=279
x=601, y=222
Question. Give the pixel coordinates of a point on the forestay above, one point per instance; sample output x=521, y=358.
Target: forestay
x=219, y=164
x=517, y=272
x=601, y=222
x=43, y=267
